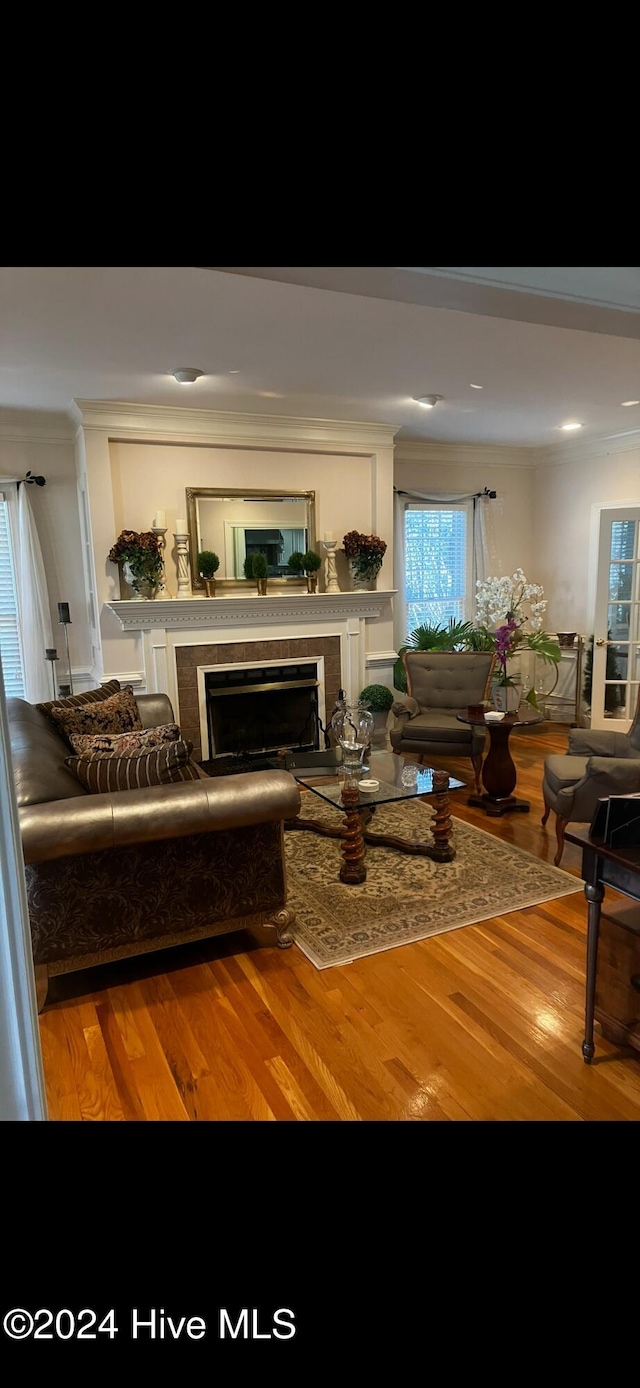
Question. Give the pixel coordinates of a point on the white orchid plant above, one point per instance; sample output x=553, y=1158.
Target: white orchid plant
x=509, y=617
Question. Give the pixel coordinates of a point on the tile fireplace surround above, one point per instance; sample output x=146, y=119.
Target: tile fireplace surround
x=180, y=635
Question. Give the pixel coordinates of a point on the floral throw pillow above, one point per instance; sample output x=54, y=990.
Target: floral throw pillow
x=123, y=744
x=90, y=696
x=157, y=767
x=119, y=714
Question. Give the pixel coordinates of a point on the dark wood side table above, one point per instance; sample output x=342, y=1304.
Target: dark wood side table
x=613, y=993
x=499, y=774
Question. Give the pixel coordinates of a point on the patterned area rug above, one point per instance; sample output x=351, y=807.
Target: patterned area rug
x=405, y=898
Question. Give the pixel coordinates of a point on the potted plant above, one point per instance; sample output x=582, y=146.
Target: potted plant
x=296, y=563
x=140, y=555
x=365, y=554
x=612, y=692
x=509, y=613
x=208, y=565
x=259, y=571
x=378, y=698
x=311, y=562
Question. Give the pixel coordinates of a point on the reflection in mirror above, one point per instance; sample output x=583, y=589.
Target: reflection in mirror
x=234, y=523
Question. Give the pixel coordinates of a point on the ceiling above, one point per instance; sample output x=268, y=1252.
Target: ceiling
x=548, y=345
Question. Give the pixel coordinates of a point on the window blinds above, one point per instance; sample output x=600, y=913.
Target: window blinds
x=9, y=631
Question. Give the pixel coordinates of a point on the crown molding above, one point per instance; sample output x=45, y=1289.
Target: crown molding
x=168, y=424
x=598, y=446
x=494, y=455
x=35, y=426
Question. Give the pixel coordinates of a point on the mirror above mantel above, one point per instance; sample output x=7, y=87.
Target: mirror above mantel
x=236, y=522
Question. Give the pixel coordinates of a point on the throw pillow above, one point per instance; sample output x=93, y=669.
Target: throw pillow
x=104, y=772
x=119, y=714
x=90, y=696
x=124, y=744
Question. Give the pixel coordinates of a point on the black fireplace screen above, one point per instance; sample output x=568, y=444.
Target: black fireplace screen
x=264, y=709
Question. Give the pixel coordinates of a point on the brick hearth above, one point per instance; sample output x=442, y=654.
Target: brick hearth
x=188, y=658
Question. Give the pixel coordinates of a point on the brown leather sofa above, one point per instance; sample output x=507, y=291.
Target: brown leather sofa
x=120, y=874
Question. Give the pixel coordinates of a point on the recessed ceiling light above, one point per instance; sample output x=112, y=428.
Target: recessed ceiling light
x=570, y=426
x=271, y=395
x=631, y=402
x=475, y=387
x=235, y=371
x=186, y=375
x=427, y=401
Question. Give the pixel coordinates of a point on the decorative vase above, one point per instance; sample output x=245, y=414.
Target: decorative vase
x=363, y=572
x=352, y=724
x=210, y=585
x=312, y=583
x=262, y=587
x=506, y=697
x=142, y=587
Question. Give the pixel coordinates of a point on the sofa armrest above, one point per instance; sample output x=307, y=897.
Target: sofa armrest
x=406, y=707
x=66, y=828
x=155, y=710
x=595, y=742
x=604, y=776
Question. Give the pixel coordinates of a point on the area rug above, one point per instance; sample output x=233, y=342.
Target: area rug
x=405, y=898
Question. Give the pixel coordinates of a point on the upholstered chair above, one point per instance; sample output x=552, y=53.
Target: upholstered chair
x=598, y=763
x=441, y=684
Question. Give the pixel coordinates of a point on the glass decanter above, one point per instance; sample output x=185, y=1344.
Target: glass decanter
x=352, y=724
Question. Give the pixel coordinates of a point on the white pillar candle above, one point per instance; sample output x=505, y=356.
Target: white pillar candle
x=329, y=535
x=181, y=527
x=160, y=521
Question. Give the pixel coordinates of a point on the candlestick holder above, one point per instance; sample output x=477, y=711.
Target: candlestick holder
x=52, y=655
x=182, y=565
x=65, y=622
x=161, y=531
x=330, y=573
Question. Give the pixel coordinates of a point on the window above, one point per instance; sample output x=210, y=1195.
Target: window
x=438, y=563
x=10, y=646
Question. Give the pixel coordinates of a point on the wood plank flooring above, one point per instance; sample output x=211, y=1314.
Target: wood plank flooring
x=483, y=1023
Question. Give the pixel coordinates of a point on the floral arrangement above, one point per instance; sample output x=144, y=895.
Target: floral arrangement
x=141, y=551
x=509, y=615
x=365, y=554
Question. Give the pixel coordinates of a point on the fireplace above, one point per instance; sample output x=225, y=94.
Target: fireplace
x=253, y=710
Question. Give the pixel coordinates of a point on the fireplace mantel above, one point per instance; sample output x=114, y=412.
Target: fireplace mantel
x=215, y=613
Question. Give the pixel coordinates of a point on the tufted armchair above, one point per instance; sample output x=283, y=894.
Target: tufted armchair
x=440, y=685
x=599, y=763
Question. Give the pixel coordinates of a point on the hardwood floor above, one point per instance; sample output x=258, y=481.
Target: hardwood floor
x=481, y=1023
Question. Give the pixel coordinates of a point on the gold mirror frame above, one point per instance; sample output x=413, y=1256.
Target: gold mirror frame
x=194, y=494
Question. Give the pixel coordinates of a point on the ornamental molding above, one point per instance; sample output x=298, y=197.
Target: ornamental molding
x=218, y=613
x=223, y=428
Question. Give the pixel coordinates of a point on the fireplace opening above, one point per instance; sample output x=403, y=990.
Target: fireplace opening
x=265, y=709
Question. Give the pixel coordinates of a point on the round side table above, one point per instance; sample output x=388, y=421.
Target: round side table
x=499, y=774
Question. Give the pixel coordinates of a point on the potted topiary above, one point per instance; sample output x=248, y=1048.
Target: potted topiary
x=311, y=563
x=378, y=699
x=296, y=563
x=248, y=566
x=259, y=571
x=208, y=565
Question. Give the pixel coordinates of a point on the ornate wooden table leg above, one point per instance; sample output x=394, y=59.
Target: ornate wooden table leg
x=353, y=868
x=594, y=893
x=442, y=850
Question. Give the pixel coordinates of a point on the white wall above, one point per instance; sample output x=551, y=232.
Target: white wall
x=56, y=511
x=566, y=490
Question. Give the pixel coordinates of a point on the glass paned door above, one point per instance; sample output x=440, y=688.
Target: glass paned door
x=616, y=649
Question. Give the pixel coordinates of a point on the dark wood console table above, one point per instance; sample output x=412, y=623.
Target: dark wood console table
x=617, y=1006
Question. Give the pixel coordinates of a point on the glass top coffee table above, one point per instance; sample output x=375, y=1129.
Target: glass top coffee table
x=358, y=806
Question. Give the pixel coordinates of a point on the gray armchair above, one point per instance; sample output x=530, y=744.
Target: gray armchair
x=598, y=764
x=440, y=685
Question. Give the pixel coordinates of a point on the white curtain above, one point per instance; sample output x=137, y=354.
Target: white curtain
x=33, y=601
x=486, y=557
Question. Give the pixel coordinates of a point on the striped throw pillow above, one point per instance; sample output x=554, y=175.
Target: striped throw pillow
x=103, y=772
x=90, y=696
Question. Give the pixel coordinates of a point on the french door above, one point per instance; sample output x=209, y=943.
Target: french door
x=616, y=646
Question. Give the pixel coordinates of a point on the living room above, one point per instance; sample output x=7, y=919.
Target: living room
x=314, y=386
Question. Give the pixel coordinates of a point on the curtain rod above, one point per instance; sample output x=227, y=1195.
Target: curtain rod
x=39, y=481
x=400, y=491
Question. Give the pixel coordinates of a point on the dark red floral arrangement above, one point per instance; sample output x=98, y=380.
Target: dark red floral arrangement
x=371, y=547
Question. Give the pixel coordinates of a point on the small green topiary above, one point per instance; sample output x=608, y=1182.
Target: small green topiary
x=296, y=562
x=311, y=561
x=248, y=566
x=260, y=566
x=378, y=697
x=208, y=563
